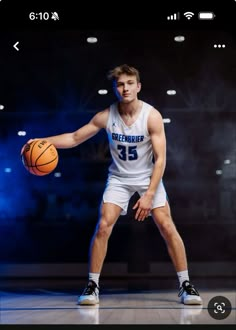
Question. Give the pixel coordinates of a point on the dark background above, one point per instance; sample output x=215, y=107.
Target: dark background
x=50, y=86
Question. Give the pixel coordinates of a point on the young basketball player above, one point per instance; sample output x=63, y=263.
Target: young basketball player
x=138, y=148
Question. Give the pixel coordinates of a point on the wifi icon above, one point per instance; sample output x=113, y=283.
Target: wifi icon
x=188, y=14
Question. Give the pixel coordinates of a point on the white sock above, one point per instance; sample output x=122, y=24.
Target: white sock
x=94, y=277
x=183, y=276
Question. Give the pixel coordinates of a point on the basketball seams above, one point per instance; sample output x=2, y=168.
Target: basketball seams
x=37, y=167
x=31, y=152
x=26, y=160
x=51, y=161
x=42, y=154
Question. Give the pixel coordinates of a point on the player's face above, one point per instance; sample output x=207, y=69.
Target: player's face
x=126, y=88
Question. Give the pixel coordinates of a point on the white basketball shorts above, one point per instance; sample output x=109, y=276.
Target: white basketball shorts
x=120, y=193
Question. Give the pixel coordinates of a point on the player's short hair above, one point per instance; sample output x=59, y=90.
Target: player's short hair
x=115, y=73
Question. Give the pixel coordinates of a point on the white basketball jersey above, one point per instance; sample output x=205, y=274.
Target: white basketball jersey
x=130, y=146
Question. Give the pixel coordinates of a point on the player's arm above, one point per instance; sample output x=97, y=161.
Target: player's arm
x=73, y=139
x=158, y=139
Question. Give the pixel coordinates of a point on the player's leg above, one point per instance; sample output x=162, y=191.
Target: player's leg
x=115, y=202
x=175, y=246
x=176, y=249
x=98, y=249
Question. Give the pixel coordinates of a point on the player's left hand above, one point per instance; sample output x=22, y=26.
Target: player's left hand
x=143, y=206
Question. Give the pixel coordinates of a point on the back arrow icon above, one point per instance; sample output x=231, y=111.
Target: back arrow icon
x=15, y=45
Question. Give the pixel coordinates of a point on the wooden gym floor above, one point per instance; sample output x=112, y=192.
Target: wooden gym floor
x=44, y=305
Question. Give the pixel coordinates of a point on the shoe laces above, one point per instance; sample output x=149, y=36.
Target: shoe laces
x=188, y=288
x=90, y=289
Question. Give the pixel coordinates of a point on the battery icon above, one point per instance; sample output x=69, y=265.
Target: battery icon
x=206, y=15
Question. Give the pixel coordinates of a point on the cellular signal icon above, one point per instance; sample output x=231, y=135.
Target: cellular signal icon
x=55, y=16
x=188, y=14
x=173, y=17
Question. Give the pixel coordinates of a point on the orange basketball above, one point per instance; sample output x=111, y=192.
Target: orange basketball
x=40, y=157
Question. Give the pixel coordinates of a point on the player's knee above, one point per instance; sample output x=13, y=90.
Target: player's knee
x=104, y=228
x=165, y=223
x=167, y=228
